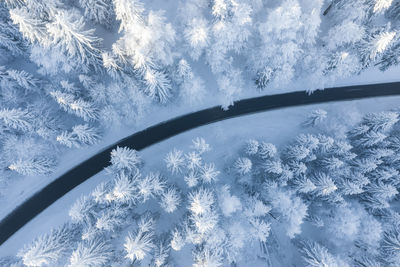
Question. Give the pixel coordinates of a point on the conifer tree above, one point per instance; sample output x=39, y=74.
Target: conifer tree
x=124, y=189
x=47, y=249
x=32, y=28
x=175, y=161
x=91, y=253
x=123, y=158
x=79, y=136
x=316, y=255
x=161, y=254
x=243, y=166
x=31, y=166
x=69, y=35
x=10, y=38
x=76, y=106
x=100, y=11
x=81, y=210
x=16, y=119
x=170, y=200
x=139, y=244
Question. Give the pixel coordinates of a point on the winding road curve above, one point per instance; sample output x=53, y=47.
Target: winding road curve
x=140, y=140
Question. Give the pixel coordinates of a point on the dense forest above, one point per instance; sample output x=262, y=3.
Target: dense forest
x=72, y=70
x=323, y=199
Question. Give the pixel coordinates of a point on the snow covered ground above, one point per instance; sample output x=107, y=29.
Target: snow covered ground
x=226, y=138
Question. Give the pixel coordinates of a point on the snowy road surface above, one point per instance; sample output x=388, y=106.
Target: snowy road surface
x=56, y=189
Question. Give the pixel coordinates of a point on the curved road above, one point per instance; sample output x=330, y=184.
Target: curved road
x=62, y=185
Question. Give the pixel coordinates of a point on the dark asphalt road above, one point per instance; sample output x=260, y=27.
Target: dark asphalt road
x=140, y=140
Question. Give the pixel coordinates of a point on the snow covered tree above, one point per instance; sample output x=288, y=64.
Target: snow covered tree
x=260, y=229
x=382, y=191
x=111, y=220
x=128, y=12
x=183, y=71
x=47, y=249
x=100, y=11
x=243, y=166
x=192, y=178
x=170, y=199
x=77, y=106
x=345, y=34
x=161, y=254
x=366, y=261
x=381, y=5
x=208, y=258
x=394, y=10
x=31, y=166
x=10, y=38
x=68, y=34
x=197, y=35
x=324, y=184
x=284, y=37
x=200, y=145
x=347, y=187
x=374, y=45
x=16, y=119
x=391, y=245
x=264, y=77
x=204, y=223
x=193, y=160
x=227, y=202
x=139, y=244
x=91, y=253
x=291, y=207
x=391, y=55
x=175, y=161
x=19, y=78
x=342, y=64
x=230, y=85
x=345, y=222
x=370, y=139
x=251, y=147
x=315, y=255
x=273, y=166
x=266, y=150
x=193, y=90
x=303, y=185
x=81, y=210
x=315, y=117
x=123, y=158
x=380, y=121
x=145, y=47
x=200, y=201
x=208, y=173
x=100, y=192
x=80, y=135
x=365, y=165
x=231, y=30
x=332, y=163
x=150, y=186
x=124, y=189
x=297, y=152
x=177, y=240
x=31, y=27
x=157, y=85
